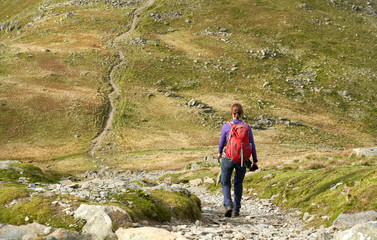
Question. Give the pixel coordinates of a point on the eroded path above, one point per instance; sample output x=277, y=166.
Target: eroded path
x=259, y=219
x=97, y=142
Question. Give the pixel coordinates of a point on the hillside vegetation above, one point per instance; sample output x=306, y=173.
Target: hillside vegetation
x=304, y=71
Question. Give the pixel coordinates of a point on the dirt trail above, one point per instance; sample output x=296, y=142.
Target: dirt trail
x=97, y=142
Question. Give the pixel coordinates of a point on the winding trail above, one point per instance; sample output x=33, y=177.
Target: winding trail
x=97, y=141
x=260, y=219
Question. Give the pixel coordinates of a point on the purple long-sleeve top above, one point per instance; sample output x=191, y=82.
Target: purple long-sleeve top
x=225, y=134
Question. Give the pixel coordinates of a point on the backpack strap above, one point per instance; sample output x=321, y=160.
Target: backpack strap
x=231, y=123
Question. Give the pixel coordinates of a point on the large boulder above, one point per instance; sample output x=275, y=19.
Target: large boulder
x=360, y=231
x=36, y=230
x=102, y=219
x=345, y=221
x=115, y=213
x=147, y=233
x=100, y=227
x=19, y=232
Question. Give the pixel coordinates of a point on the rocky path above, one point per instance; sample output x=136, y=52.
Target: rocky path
x=260, y=218
x=97, y=142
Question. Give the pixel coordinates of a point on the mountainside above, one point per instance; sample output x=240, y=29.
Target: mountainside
x=304, y=71
x=95, y=92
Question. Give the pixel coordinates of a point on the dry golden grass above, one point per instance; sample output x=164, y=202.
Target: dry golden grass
x=30, y=151
x=44, y=112
x=72, y=164
x=328, y=122
x=160, y=160
x=168, y=123
x=269, y=152
x=188, y=43
x=75, y=41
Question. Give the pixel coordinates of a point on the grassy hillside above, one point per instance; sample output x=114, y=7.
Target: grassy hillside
x=311, y=62
x=307, y=61
x=54, y=72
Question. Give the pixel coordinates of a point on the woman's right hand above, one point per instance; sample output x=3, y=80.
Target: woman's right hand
x=219, y=156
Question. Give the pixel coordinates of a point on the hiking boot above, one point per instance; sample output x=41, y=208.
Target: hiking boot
x=228, y=211
x=236, y=214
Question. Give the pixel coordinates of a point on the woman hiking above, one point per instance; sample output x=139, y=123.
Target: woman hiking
x=238, y=139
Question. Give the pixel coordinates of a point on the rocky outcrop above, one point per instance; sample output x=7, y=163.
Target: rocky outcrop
x=102, y=219
x=18, y=232
x=366, y=151
x=7, y=165
x=36, y=230
x=360, y=231
x=345, y=221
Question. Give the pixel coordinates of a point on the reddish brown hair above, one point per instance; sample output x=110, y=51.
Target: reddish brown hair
x=236, y=110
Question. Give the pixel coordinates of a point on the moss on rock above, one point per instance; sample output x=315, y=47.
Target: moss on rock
x=160, y=205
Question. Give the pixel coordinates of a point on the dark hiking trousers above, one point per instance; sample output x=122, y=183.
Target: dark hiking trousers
x=227, y=167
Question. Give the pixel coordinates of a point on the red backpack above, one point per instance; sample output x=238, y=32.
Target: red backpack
x=238, y=146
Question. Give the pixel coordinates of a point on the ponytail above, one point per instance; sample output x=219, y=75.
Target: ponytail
x=236, y=111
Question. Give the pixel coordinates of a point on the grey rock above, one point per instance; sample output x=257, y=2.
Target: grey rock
x=208, y=110
x=88, y=211
x=195, y=182
x=192, y=103
x=366, y=151
x=344, y=221
x=99, y=226
x=195, y=166
x=6, y=165
x=209, y=180
x=335, y=186
x=147, y=233
x=62, y=233
x=324, y=236
x=18, y=232
x=367, y=231
x=307, y=217
x=200, y=105
x=211, y=161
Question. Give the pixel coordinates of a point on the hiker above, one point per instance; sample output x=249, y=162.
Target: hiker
x=235, y=160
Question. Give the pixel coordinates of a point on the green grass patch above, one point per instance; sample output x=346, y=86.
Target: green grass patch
x=307, y=187
x=159, y=205
x=31, y=173
x=11, y=192
x=37, y=209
